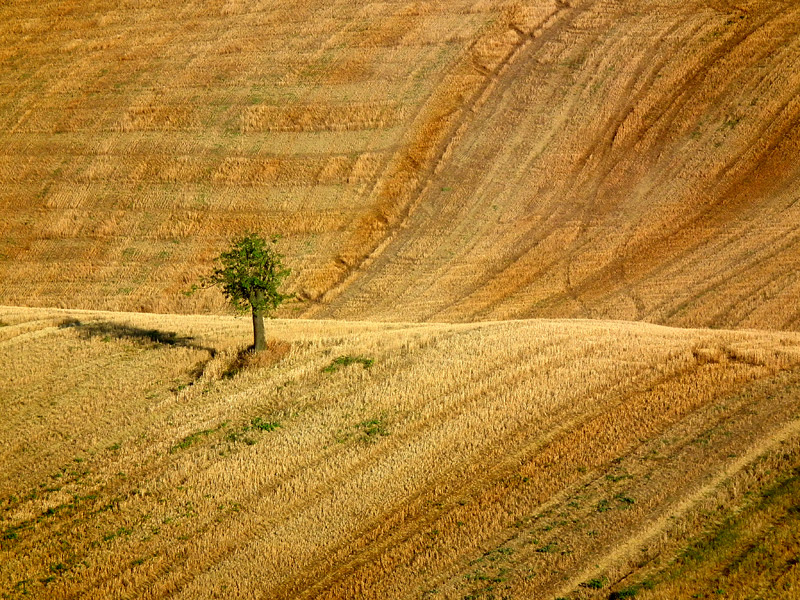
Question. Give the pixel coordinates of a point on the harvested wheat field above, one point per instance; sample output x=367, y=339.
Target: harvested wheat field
x=135, y=138
x=631, y=160
x=544, y=345
x=143, y=457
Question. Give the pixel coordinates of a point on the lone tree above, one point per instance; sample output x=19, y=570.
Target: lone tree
x=249, y=275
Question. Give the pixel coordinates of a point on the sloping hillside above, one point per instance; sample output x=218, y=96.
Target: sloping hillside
x=142, y=458
x=636, y=160
x=136, y=138
x=450, y=160
x=463, y=161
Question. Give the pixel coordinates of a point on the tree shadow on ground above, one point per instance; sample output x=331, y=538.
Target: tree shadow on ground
x=118, y=331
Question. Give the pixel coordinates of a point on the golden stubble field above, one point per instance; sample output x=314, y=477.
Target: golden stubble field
x=442, y=161
x=634, y=160
x=525, y=459
x=463, y=161
x=136, y=138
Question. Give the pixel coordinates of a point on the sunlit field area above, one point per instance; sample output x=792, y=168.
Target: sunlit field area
x=543, y=339
x=144, y=456
x=135, y=138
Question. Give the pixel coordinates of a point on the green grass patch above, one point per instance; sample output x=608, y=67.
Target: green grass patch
x=603, y=506
x=373, y=428
x=346, y=361
x=256, y=424
x=623, y=594
x=547, y=548
x=367, y=431
x=625, y=501
x=118, y=533
x=596, y=583
x=193, y=438
x=262, y=425
x=58, y=568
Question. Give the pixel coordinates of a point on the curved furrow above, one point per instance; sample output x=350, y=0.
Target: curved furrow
x=656, y=162
x=663, y=113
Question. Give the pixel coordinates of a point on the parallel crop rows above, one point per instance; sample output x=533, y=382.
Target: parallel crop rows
x=437, y=457
x=632, y=162
x=123, y=127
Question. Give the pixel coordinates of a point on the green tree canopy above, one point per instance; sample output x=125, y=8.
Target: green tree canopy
x=250, y=275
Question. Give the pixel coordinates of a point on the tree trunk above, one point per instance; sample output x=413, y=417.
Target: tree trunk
x=259, y=341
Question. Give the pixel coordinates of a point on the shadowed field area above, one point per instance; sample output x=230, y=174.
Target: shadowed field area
x=634, y=160
x=144, y=457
